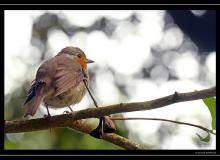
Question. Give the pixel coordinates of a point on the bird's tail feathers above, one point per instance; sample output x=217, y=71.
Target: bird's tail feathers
x=36, y=99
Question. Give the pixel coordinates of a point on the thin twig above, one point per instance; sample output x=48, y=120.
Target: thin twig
x=161, y=119
x=90, y=94
x=99, y=130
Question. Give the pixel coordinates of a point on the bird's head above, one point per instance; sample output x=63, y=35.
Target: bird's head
x=77, y=54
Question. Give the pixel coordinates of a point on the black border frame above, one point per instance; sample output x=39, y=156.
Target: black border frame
x=102, y=152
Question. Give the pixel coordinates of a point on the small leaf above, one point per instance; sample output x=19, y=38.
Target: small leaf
x=211, y=104
x=204, y=139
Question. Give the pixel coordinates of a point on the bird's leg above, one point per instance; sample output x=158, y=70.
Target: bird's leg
x=60, y=98
x=68, y=111
x=48, y=113
x=70, y=108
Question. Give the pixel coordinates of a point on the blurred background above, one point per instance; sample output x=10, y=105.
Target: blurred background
x=139, y=56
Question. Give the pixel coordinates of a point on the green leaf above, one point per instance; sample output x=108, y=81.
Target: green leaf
x=204, y=139
x=211, y=104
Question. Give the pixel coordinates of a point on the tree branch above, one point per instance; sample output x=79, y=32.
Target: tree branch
x=80, y=125
x=86, y=127
x=66, y=120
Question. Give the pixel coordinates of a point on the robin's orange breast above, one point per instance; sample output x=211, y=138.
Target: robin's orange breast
x=72, y=96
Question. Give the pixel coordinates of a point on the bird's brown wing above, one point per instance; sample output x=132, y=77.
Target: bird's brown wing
x=68, y=75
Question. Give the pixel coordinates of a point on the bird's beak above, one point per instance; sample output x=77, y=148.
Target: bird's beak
x=89, y=61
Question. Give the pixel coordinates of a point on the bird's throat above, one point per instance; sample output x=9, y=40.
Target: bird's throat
x=83, y=64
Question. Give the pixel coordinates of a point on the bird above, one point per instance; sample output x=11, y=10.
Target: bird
x=60, y=81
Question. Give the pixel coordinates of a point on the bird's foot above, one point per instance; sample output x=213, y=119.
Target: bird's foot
x=66, y=112
x=47, y=116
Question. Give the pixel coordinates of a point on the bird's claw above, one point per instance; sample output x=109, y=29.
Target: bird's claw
x=66, y=112
x=47, y=116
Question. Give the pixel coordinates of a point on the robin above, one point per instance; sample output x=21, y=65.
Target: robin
x=59, y=81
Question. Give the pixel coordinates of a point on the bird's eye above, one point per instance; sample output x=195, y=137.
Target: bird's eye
x=79, y=56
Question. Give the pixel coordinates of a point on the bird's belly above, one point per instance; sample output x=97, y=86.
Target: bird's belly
x=72, y=96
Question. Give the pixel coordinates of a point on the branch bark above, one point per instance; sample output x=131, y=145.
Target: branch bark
x=86, y=127
x=66, y=120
